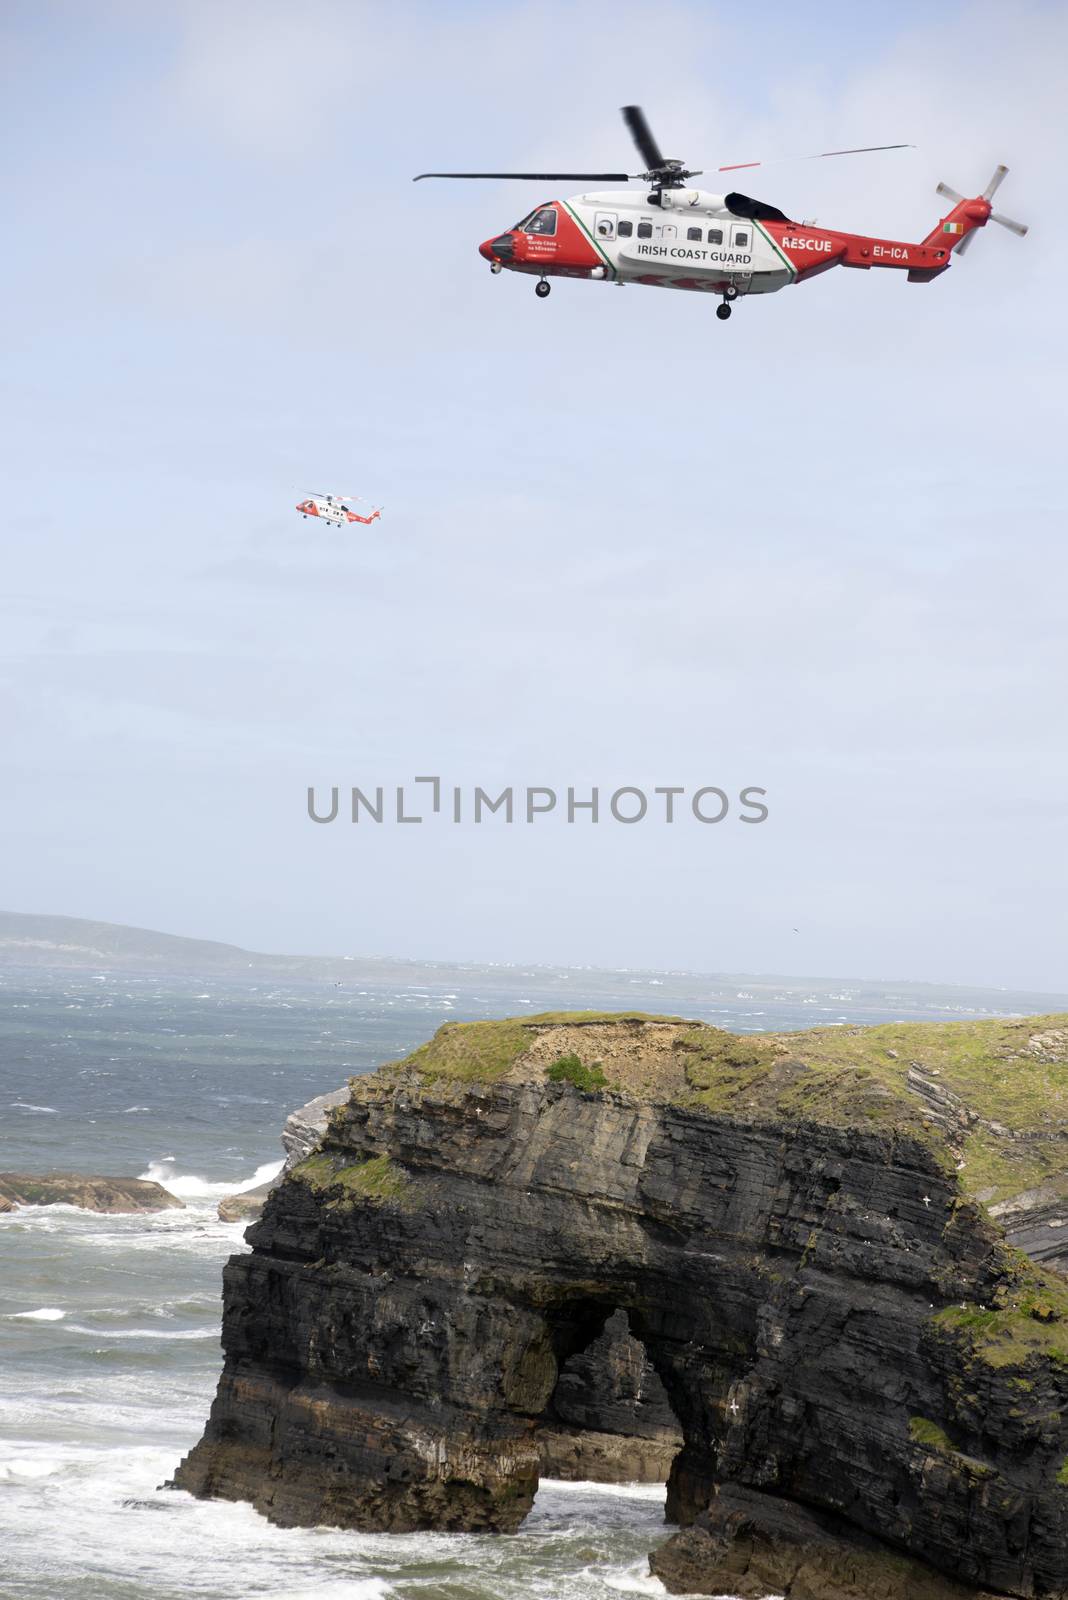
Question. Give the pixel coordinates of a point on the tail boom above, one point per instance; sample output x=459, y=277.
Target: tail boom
x=810, y=250
x=814, y=250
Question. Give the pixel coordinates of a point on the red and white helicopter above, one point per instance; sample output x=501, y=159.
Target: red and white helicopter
x=333, y=508
x=675, y=237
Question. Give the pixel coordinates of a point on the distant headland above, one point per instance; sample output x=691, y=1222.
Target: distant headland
x=31, y=940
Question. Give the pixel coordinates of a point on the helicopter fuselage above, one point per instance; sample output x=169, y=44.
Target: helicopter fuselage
x=690, y=239
x=333, y=510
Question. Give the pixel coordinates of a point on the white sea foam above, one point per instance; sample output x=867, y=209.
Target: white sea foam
x=346, y=1589
x=626, y=1491
x=26, y=1105
x=144, y=1333
x=636, y=1579
x=189, y=1186
x=28, y=1467
x=44, y=1314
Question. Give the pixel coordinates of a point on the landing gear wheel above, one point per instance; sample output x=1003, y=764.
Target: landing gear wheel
x=730, y=292
x=723, y=311
x=542, y=288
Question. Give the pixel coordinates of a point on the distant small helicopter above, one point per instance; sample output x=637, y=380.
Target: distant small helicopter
x=334, y=509
x=724, y=244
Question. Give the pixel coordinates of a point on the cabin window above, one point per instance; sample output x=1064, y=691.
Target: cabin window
x=694, y=235
x=543, y=221
x=645, y=230
x=604, y=225
x=625, y=230
x=740, y=238
x=715, y=235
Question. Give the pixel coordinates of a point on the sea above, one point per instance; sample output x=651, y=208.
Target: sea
x=109, y=1325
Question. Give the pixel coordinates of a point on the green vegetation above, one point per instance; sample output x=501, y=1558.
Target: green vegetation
x=1010, y=1073
x=376, y=1178
x=480, y=1052
x=317, y=1171
x=470, y=1052
x=1062, y=1474
x=569, y=1069
x=859, y=1077
x=929, y=1434
x=1029, y=1316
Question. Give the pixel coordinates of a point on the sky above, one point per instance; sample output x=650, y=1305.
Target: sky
x=817, y=550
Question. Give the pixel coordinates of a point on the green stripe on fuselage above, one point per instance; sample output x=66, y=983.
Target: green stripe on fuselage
x=572, y=213
x=764, y=234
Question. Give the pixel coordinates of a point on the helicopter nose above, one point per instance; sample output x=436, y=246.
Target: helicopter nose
x=500, y=249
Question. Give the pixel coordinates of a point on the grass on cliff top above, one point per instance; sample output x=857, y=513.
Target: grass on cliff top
x=826, y=1070
x=480, y=1052
x=1010, y=1073
x=471, y=1052
x=375, y=1178
x=859, y=1077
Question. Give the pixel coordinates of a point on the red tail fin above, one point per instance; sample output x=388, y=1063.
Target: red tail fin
x=955, y=227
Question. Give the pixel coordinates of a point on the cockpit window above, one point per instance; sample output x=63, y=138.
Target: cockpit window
x=542, y=221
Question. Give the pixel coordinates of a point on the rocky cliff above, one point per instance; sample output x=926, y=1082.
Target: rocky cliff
x=86, y=1192
x=799, y=1231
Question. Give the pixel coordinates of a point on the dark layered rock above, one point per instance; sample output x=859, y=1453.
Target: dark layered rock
x=1036, y=1222
x=751, y=1545
x=301, y=1133
x=88, y=1193
x=836, y=1322
x=609, y=1419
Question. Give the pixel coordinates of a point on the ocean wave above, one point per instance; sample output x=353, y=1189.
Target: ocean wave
x=615, y=1491
x=26, y=1105
x=44, y=1314
x=346, y=1589
x=144, y=1333
x=29, y=1467
x=190, y=1186
x=636, y=1579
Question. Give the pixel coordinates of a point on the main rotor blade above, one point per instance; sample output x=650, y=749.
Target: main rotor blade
x=818, y=155
x=642, y=135
x=535, y=177
x=995, y=183
x=1007, y=222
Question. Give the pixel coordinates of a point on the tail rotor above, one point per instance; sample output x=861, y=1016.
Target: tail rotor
x=995, y=183
x=973, y=218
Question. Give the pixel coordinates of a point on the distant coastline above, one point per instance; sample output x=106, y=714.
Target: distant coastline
x=39, y=941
